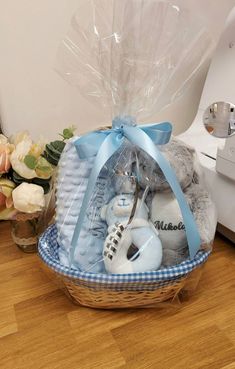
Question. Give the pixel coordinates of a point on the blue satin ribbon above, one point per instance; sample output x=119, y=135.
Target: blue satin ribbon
x=103, y=144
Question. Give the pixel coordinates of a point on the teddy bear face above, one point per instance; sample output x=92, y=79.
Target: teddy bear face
x=120, y=208
x=181, y=159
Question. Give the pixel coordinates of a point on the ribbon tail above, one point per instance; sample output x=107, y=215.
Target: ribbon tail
x=141, y=139
x=110, y=145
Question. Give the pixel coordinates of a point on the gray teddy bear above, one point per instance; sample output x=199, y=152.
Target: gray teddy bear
x=165, y=212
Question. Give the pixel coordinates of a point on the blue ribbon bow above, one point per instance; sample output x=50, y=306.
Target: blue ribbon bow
x=103, y=144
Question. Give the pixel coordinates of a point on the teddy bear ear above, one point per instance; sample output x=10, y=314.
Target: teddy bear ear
x=178, y=142
x=103, y=212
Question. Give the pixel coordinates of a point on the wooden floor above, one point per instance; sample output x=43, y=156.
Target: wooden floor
x=41, y=328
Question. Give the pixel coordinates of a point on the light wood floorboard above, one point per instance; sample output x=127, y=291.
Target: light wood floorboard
x=41, y=329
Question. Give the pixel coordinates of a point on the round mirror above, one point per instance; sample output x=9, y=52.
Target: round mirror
x=219, y=119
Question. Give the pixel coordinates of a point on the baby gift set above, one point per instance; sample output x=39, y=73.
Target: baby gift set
x=133, y=216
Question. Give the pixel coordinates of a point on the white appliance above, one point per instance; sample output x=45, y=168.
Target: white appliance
x=217, y=155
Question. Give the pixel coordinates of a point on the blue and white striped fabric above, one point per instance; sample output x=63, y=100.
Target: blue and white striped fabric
x=48, y=251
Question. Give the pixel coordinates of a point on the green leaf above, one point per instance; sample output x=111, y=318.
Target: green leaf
x=68, y=133
x=58, y=146
x=30, y=161
x=44, y=169
x=43, y=164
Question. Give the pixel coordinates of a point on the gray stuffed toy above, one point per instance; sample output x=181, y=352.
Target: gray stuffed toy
x=165, y=212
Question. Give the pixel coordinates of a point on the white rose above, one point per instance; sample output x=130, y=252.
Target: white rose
x=28, y=198
x=22, y=149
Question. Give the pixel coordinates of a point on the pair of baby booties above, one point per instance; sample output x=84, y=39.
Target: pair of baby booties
x=157, y=229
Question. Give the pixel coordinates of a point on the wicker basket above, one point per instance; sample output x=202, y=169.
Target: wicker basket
x=117, y=291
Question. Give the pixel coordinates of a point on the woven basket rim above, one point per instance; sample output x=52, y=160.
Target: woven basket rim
x=170, y=273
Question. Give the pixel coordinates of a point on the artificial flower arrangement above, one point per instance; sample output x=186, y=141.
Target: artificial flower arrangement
x=27, y=169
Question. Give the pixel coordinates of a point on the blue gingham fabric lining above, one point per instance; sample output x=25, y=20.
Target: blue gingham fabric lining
x=48, y=251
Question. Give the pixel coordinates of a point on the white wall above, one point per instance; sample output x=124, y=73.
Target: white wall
x=34, y=97
x=183, y=111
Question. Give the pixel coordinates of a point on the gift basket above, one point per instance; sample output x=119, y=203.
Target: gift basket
x=134, y=221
